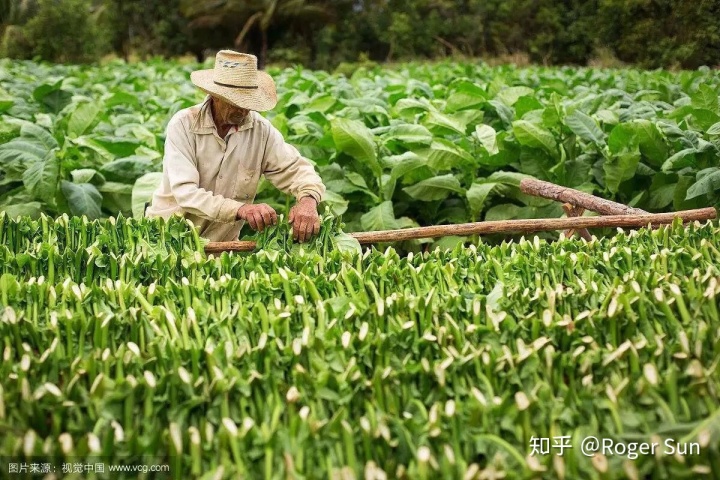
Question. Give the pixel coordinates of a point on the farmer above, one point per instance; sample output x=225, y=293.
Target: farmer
x=216, y=151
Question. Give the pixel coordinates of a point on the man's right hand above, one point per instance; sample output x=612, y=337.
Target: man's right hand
x=258, y=216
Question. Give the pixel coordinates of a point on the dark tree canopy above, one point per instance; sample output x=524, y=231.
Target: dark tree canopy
x=325, y=33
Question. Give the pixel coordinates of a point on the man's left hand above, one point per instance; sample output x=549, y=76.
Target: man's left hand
x=305, y=219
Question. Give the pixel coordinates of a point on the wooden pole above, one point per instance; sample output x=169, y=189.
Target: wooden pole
x=240, y=246
x=502, y=226
x=533, y=225
x=569, y=195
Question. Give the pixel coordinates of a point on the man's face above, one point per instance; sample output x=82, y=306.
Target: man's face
x=227, y=114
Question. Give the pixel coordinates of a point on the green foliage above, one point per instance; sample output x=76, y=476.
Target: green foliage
x=419, y=144
x=121, y=339
x=347, y=34
x=658, y=33
x=59, y=31
x=155, y=27
x=661, y=33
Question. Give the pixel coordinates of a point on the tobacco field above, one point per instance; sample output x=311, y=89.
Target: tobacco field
x=122, y=341
x=416, y=145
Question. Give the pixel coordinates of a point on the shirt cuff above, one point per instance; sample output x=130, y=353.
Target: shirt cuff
x=228, y=211
x=310, y=193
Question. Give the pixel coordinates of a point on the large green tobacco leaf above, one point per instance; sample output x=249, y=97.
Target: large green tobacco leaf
x=706, y=98
x=343, y=185
x=642, y=134
x=29, y=209
x=477, y=194
x=82, y=198
x=38, y=135
x=683, y=158
x=697, y=118
x=410, y=134
x=445, y=155
x=94, y=146
x=347, y=244
x=435, y=188
x=622, y=138
x=509, y=96
x=708, y=181
x=355, y=139
x=116, y=197
x=122, y=98
x=681, y=200
x=41, y=177
x=53, y=97
x=322, y=103
x=620, y=168
x=535, y=136
x=442, y=124
x=526, y=104
x=119, y=147
x=503, y=112
x=380, y=217
x=585, y=127
x=488, y=138
x=466, y=95
x=82, y=119
x=401, y=165
x=21, y=151
x=87, y=175
x=652, y=144
x=338, y=205
x=470, y=117
x=127, y=170
x=411, y=106
x=142, y=192
x=357, y=180
x=578, y=171
x=32, y=158
x=662, y=191
x=145, y=136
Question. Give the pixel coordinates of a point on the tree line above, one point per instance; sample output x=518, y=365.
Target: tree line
x=326, y=33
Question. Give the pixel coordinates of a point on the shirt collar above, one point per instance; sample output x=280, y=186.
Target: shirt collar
x=204, y=123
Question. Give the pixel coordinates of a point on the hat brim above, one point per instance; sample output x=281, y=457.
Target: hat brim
x=258, y=99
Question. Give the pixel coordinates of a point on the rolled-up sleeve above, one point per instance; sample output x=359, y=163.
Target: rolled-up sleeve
x=289, y=171
x=181, y=169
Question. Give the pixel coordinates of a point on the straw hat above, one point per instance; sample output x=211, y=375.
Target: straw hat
x=237, y=80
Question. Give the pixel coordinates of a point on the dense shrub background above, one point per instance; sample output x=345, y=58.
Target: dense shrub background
x=325, y=33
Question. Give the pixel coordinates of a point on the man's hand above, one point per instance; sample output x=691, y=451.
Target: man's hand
x=305, y=219
x=258, y=216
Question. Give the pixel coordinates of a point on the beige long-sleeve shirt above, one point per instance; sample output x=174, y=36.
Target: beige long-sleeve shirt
x=207, y=178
